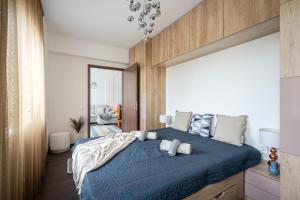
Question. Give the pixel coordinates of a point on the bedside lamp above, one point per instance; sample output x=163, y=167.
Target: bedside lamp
x=165, y=119
x=270, y=138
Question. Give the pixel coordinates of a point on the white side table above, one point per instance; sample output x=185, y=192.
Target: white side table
x=59, y=142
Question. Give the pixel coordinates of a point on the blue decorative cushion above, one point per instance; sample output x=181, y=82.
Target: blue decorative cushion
x=201, y=124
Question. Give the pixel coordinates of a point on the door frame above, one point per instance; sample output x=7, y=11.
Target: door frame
x=90, y=66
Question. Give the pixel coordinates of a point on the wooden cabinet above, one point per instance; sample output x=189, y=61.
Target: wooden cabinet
x=138, y=54
x=157, y=49
x=161, y=46
x=171, y=42
x=206, y=23
x=290, y=82
x=180, y=42
x=259, y=184
x=231, y=188
x=289, y=38
x=229, y=194
x=290, y=176
x=152, y=85
x=205, y=28
x=242, y=14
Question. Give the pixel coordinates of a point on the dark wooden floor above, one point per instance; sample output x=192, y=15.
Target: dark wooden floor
x=57, y=184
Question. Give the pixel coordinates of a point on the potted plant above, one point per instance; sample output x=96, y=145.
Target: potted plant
x=77, y=126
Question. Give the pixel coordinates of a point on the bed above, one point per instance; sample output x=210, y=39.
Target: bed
x=97, y=131
x=142, y=171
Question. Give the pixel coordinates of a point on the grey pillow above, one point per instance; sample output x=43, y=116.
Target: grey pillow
x=182, y=121
x=230, y=129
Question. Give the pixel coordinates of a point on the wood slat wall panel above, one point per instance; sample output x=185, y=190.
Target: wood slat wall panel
x=242, y=14
x=290, y=72
x=152, y=86
x=156, y=80
x=157, y=49
x=213, y=190
x=289, y=177
x=209, y=22
x=206, y=23
x=290, y=39
x=156, y=97
x=254, y=32
x=161, y=46
x=180, y=42
x=137, y=54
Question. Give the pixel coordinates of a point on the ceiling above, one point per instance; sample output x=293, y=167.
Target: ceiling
x=105, y=21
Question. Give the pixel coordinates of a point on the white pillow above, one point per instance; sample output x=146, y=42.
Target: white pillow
x=230, y=129
x=214, y=125
x=182, y=121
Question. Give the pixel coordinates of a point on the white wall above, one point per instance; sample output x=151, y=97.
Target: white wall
x=109, y=87
x=67, y=92
x=67, y=78
x=92, y=50
x=236, y=81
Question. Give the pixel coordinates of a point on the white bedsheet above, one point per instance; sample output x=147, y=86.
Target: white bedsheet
x=95, y=153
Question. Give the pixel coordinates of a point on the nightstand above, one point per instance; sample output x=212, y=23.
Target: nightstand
x=260, y=185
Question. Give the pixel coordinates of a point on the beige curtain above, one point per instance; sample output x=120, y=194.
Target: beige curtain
x=3, y=40
x=23, y=148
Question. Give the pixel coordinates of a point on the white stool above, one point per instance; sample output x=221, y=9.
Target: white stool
x=59, y=142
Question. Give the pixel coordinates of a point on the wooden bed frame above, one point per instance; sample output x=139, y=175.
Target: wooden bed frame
x=231, y=188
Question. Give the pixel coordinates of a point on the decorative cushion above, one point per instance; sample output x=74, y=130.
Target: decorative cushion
x=201, y=124
x=182, y=121
x=230, y=129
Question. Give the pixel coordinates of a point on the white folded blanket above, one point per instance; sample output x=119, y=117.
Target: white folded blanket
x=151, y=136
x=174, y=147
x=183, y=148
x=142, y=135
x=95, y=153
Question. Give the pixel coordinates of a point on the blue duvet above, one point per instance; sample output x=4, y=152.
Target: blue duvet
x=142, y=171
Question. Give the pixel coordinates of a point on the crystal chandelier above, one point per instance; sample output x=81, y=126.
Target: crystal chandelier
x=147, y=13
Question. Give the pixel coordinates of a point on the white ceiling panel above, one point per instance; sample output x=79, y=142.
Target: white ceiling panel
x=105, y=21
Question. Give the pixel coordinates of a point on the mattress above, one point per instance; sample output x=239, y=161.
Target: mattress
x=142, y=171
